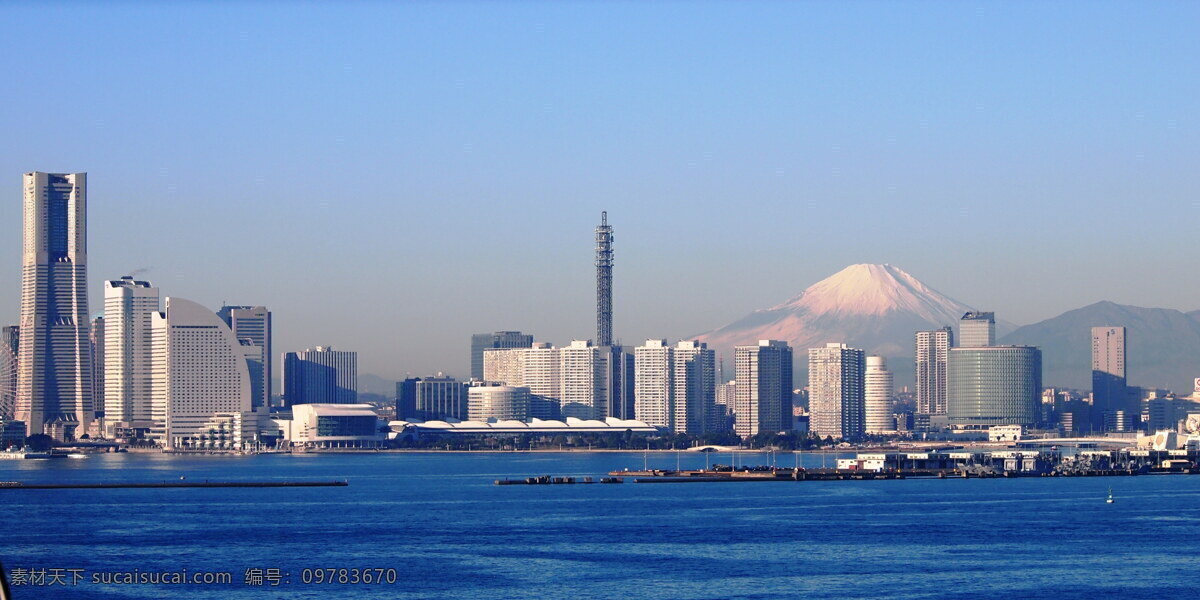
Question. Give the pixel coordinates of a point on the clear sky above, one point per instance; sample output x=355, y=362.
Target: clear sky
x=391, y=177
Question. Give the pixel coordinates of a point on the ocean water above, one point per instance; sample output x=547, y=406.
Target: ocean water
x=449, y=533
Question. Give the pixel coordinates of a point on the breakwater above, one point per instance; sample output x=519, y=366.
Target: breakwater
x=18, y=485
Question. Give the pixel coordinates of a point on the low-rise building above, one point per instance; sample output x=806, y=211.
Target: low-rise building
x=334, y=426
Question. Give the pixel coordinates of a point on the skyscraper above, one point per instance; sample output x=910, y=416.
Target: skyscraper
x=54, y=375
x=932, y=352
x=604, y=279
x=200, y=377
x=653, y=377
x=994, y=385
x=1109, y=390
x=582, y=378
x=10, y=337
x=763, y=376
x=836, y=391
x=694, y=384
x=617, y=381
x=877, y=396
x=96, y=337
x=977, y=330
x=320, y=376
x=253, y=324
x=129, y=310
x=500, y=339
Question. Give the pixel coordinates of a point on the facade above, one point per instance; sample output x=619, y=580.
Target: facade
x=996, y=385
x=763, y=375
x=320, y=376
x=431, y=399
x=335, y=426
x=836, y=389
x=932, y=354
x=201, y=383
x=877, y=396
x=251, y=325
x=54, y=373
x=500, y=339
x=129, y=310
x=1109, y=390
x=977, y=329
x=724, y=401
x=498, y=402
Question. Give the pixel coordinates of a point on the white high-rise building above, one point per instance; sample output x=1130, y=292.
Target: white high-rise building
x=932, y=356
x=201, y=381
x=54, y=367
x=504, y=365
x=674, y=386
x=653, y=378
x=763, y=376
x=129, y=309
x=695, y=387
x=536, y=367
x=835, y=391
x=582, y=379
x=878, y=397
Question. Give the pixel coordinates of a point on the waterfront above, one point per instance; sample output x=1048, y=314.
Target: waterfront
x=450, y=533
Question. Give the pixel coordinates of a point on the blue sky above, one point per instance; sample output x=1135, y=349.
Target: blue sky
x=391, y=177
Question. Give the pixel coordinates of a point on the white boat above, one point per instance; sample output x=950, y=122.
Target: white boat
x=1110, y=497
x=23, y=453
x=77, y=455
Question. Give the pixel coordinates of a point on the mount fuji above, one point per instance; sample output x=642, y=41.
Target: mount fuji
x=874, y=307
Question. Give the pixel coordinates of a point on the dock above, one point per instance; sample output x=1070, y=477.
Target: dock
x=19, y=485
x=952, y=464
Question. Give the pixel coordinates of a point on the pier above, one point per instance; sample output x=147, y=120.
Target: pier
x=549, y=480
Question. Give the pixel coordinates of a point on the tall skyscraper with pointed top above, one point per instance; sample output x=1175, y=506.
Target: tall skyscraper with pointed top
x=604, y=266
x=54, y=374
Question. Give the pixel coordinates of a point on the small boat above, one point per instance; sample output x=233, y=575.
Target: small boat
x=1110, y=497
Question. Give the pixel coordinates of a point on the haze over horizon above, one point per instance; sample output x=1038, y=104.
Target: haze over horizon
x=395, y=183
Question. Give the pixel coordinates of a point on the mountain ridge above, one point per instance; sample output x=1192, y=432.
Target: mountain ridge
x=1159, y=345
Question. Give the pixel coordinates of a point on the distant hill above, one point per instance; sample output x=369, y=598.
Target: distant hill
x=1162, y=345
x=374, y=384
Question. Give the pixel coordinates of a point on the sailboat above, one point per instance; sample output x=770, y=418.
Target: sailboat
x=1110, y=497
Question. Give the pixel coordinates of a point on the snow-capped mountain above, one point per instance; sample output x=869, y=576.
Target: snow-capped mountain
x=874, y=307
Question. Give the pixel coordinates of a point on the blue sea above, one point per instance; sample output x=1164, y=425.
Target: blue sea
x=438, y=521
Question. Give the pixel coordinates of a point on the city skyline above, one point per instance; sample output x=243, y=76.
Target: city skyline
x=843, y=141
